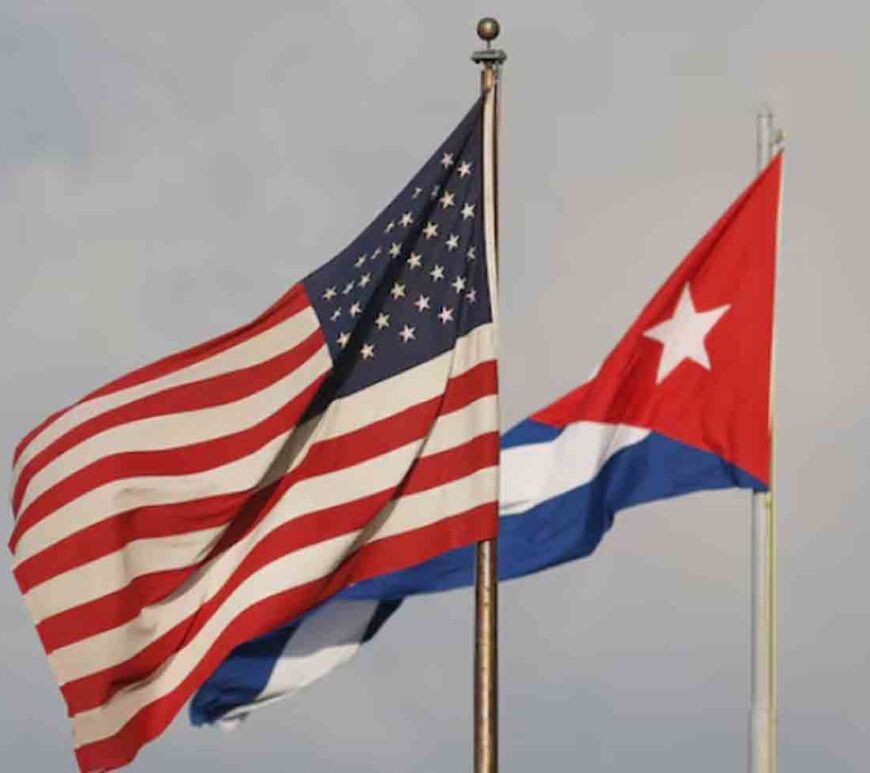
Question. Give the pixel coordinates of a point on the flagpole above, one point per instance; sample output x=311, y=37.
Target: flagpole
x=486, y=580
x=763, y=712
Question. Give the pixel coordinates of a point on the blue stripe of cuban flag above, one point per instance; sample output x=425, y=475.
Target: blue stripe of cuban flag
x=561, y=488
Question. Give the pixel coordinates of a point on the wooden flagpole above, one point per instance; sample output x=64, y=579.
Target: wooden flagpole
x=486, y=580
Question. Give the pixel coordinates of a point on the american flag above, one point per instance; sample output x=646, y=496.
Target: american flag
x=349, y=431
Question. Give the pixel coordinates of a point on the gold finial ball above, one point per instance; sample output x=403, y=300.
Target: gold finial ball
x=488, y=29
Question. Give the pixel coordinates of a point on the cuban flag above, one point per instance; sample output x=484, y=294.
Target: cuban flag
x=681, y=404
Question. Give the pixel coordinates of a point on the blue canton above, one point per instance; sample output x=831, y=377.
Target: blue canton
x=416, y=279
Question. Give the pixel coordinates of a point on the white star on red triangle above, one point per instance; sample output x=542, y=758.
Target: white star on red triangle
x=682, y=336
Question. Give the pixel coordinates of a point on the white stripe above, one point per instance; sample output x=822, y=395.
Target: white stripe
x=298, y=568
x=321, y=643
x=175, y=430
x=346, y=414
x=255, y=350
x=112, y=572
x=316, y=493
x=534, y=473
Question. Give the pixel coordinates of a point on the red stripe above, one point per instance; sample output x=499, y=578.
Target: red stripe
x=482, y=374
x=165, y=520
x=182, y=460
x=124, y=605
x=292, y=302
x=371, y=560
x=207, y=393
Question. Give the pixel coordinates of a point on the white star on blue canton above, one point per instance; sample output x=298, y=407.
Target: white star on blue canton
x=420, y=284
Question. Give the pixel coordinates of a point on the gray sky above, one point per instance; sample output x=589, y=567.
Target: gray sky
x=167, y=169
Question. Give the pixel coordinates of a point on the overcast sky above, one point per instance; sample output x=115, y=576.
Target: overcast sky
x=166, y=169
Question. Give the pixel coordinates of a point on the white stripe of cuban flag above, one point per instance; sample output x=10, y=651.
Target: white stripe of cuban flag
x=350, y=431
x=629, y=435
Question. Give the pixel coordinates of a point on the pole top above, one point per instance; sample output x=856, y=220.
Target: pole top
x=488, y=29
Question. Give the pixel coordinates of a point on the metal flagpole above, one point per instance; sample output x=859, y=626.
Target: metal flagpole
x=763, y=712
x=486, y=581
